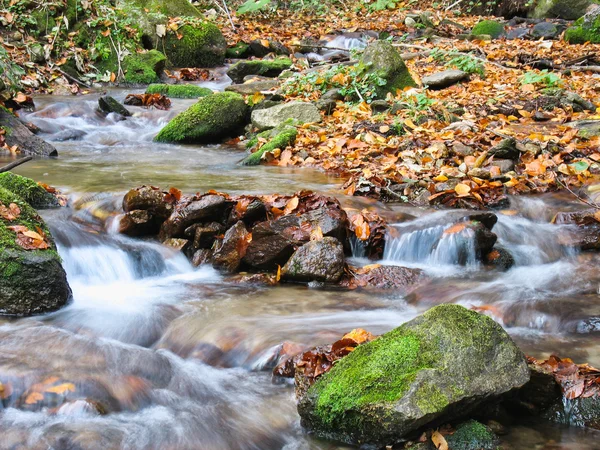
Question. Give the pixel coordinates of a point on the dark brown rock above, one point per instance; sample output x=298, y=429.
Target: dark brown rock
x=149, y=199
x=18, y=134
x=586, y=228
x=204, y=235
x=390, y=277
x=229, y=253
x=202, y=256
x=209, y=208
x=138, y=223
x=319, y=260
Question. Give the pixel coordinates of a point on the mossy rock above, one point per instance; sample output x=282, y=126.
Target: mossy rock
x=211, y=119
x=488, y=28
x=144, y=68
x=381, y=58
x=28, y=190
x=280, y=137
x=201, y=46
x=439, y=366
x=585, y=29
x=179, y=90
x=563, y=9
x=472, y=435
x=239, y=50
x=265, y=67
x=31, y=281
x=170, y=8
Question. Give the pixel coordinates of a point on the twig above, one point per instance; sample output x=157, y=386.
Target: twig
x=228, y=15
x=73, y=79
x=595, y=69
x=448, y=8
x=578, y=197
x=16, y=163
x=358, y=93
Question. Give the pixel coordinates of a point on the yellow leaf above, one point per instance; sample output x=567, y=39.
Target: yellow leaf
x=441, y=178
x=62, y=388
x=316, y=234
x=462, y=189
x=439, y=441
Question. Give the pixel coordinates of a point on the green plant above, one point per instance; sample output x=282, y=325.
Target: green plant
x=462, y=61
x=416, y=103
x=10, y=72
x=380, y=5
x=251, y=6
x=543, y=78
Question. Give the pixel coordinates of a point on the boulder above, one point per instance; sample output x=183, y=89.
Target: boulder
x=143, y=68
x=319, y=260
x=239, y=50
x=202, y=45
x=438, y=367
x=18, y=134
x=546, y=30
x=562, y=9
x=148, y=198
x=108, y=105
x=587, y=128
x=179, y=90
x=382, y=59
x=273, y=242
x=488, y=28
x=472, y=435
x=204, y=235
x=28, y=190
x=265, y=67
x=586, y=235
x=230, y=251
x=33, y=280
x=253, y=87
x=280, y=137
x=138, y=223
x=207, y=208
x=444, y=79
x=585, y=29
x=294, y=112
x=211, y=119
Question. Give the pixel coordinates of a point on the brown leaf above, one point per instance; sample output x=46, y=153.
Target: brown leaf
x=9, y=213
x=439, y=441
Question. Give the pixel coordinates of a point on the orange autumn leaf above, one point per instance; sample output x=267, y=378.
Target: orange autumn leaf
x=462, y=189
x=291, y=205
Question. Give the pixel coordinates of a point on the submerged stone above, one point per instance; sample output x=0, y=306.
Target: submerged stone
x=439, y=366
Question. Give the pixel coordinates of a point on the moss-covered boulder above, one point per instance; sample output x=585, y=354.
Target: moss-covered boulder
x=179, y=90
x=31, y=281
x=280, y=137
x=239, y=50
x=472, y=435
x=265, y=67
x=563, y=9
x=28, y=190
x=202, y=45
x=382, y=59
x=585, y=29
x=170, y=8
x=144, y=68
x=488, y=28
x=210, y=120
x=439, y=366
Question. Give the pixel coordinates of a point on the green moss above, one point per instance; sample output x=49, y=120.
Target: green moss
x=179, y=90
x=44, y=20
x=582, y=32
x=239, y=50
x=171, y=8
x=201, y=46
x=280, y=138
x=28, y=190
x=489, y=28
x=472, y=435
x=212, y=118
x=383, y=60
x=266, y=67
x=431, y=399
x=144, y=68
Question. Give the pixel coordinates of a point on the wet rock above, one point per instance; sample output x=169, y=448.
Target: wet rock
x=229, y=253
x=390, y=277
x=138, y=223
x=148, y=198
x=256, y=211
x=273, y=243
x=472, y=435
x=500, y=258
x=545, y=30
x=207, y=208
x=440, y=366
x=506, y=149
x=266, y=67
x=177, y=244
x=204, y=235
x=202, y=256
x=213, y=118
x=517, y=33
x=18, y=134
x=487, y=219
x=444, y=79
x=109, y=105
x=383, y=60
x=296, y=112
x=28, y=190
x=69, y=135
x=253, y=87
x=320, y=260
x=33, y=280
x=587, y=234
x=199, y=45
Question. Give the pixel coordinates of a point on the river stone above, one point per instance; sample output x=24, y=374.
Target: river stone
x=148, y=198
x=586, y=232
x=444, y=79
x=587, y=128
x=265, y=67
x=28, y=190
x=273, y=243
x=562, y=9
x=382, y=59
x=438, y=367
x=296, y=112
x=229, y=253
x=18, y=134
x=253, y=87
x=210, y=120
x=209, y=208
x=108, y=104
x=32, y=281
x=546, y=30
x=320, y=260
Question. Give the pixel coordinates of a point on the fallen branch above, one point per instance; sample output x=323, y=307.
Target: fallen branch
x=73, y=79
x=595, y=69
x=577, y=196
x=16, y=163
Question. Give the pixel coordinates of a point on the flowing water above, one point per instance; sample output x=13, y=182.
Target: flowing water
x=143, y=319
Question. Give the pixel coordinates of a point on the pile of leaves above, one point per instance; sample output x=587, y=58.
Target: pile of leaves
x=157, y=101
x=575, y=380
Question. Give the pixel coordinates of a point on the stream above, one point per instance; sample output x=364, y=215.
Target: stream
x=143, y=318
